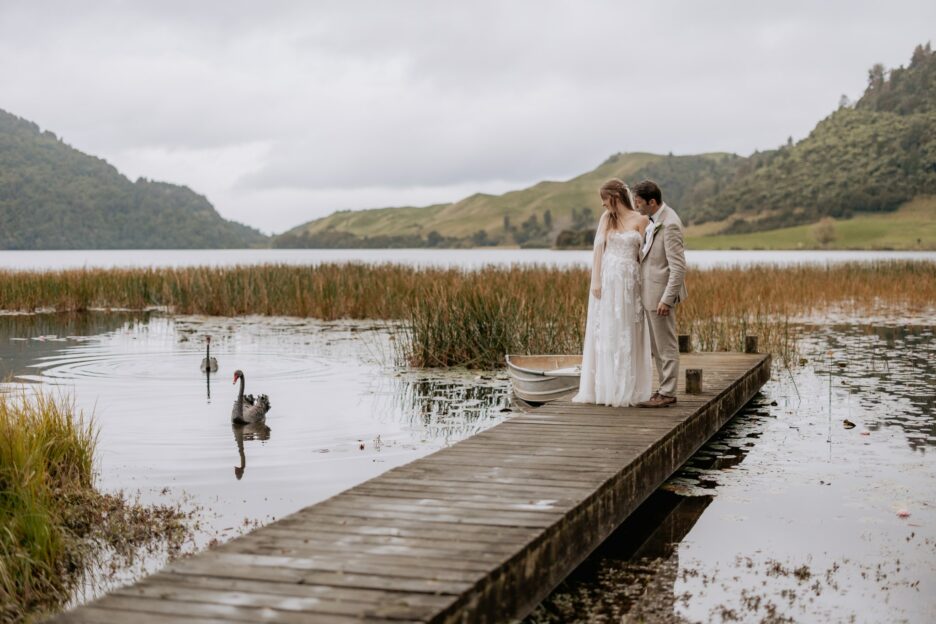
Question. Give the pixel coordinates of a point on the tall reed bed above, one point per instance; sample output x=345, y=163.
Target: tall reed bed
x=329, y=291
x=459, y=317
x=476, y=317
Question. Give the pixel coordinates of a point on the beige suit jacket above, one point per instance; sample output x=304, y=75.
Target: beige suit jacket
x=663, y=266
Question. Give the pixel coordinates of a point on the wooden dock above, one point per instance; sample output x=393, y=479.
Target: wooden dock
x=481, y=531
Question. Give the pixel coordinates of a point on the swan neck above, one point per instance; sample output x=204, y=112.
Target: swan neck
x=240, y=395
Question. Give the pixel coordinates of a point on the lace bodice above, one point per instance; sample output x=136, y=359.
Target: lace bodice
x=620, y=248
x=624, y=245
x=622, y=262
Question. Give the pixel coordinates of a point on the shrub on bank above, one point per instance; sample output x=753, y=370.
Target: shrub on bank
x=46, y=451
x=52, y=520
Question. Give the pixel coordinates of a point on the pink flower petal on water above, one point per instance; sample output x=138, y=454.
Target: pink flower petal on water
x=903, y=513
x=865, y=432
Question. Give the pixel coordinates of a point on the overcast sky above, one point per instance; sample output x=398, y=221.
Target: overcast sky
x=281, y=112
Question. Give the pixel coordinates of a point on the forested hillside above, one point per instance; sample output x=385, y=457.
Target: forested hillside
x=871, y=156
x=54, y=197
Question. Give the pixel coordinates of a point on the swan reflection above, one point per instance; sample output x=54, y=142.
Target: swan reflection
x=250, y=431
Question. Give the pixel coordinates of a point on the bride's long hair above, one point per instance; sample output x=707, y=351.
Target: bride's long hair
x=618, y=194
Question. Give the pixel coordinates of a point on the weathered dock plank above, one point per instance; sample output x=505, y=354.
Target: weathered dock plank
x=478, y=532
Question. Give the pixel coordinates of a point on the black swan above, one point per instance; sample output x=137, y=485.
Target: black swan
x=208, y=363
x=253, y=411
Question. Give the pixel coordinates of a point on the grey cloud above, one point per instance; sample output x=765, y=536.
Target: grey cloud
x=397, y=95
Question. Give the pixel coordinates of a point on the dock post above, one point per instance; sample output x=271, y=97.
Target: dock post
x=685, y=343
x=750, y=344
x=693, y=381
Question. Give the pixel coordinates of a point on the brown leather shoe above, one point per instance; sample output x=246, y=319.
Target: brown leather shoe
x=658, y=400
x=647, y=403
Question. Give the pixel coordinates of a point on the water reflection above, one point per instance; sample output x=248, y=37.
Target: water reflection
x=883, y=374
x=724, y=453
x=446, y=406
x=26, y=337
x=642, y=557
x=250, y=431
x=26, y=326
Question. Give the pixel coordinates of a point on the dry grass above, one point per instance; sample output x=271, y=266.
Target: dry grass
x=472, y=318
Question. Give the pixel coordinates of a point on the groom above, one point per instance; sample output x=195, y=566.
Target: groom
x=662, y=273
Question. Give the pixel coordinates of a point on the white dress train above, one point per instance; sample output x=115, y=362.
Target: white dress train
x=616, y=367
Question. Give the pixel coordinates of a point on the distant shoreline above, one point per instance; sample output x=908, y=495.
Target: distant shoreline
x=464, y=259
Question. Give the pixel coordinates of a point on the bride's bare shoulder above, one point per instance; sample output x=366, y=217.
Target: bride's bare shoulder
x=637, y=222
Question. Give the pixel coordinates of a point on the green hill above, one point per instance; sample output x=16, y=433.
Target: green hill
x=54, y=197
x=910, y=227
x=531, y=216
x=864, y=159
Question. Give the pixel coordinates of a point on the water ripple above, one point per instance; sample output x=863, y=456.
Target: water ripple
x=177, y=366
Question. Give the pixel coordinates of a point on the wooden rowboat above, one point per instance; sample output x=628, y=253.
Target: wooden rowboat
x=542, y=378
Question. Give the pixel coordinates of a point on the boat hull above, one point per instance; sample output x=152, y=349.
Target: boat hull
x=538, y=379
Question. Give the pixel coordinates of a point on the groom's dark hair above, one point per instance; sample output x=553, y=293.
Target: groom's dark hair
x=648, y=190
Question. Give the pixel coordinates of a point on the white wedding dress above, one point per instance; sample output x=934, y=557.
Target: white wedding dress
x=616, y=367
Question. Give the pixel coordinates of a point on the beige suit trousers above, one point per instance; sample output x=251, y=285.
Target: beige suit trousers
x=662, y=273
x=665, y=349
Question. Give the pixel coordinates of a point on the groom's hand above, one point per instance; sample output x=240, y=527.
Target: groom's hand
x=663, y=309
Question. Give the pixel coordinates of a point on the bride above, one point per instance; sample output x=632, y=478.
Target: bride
x=616, y=357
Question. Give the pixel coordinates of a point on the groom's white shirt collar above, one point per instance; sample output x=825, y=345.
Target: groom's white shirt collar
x=651, y=228
x=656, y=215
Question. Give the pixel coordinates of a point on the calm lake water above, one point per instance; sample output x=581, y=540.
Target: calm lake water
x=467, y=258
x=785, y=514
